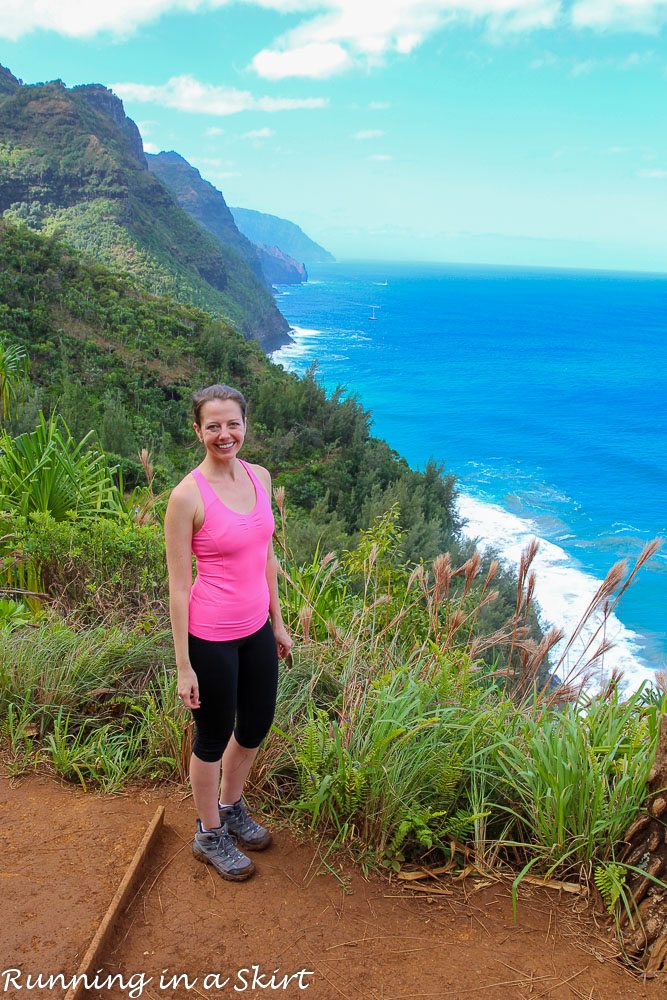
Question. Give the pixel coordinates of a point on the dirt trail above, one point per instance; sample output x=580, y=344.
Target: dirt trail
x=343, y=937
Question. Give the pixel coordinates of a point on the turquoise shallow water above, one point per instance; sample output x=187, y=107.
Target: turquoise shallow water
x=543, y=391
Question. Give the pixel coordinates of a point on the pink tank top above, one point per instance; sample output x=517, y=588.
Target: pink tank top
x=230, y=595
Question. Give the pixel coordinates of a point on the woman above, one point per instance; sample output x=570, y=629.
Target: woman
x=227, y=626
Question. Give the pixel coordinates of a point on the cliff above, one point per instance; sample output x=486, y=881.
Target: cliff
x=8, y=82
x=278, y=268
x=206, y=204
x=72, y=164
x=203, y=202
x=269, y=230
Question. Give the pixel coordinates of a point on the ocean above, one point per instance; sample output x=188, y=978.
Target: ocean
x=543, y=391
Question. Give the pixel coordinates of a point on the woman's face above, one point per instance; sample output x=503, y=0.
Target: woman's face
x=221, y=429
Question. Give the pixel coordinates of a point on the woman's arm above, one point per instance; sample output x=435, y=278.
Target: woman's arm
x=178, y=523
x=283, y=639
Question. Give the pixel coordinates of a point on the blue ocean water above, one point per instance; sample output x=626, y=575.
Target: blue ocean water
x=544, y=391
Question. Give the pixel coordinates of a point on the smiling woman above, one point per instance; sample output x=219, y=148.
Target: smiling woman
x=227, y=626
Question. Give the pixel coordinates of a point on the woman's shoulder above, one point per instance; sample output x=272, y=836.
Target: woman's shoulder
x=262, y=474
x=186, y=492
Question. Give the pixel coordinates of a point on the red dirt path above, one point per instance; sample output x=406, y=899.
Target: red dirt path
x=66, y=852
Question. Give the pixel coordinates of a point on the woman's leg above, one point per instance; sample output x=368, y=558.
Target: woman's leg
x=236, y=764
x=216, y=666
x=256, y=705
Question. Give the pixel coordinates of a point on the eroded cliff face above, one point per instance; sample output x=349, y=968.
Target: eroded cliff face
x=201, y=200
x=8, y=82
x=72, y=162
x=279, y=268
x=104, y=100
x=207, y=205
x=272, y=231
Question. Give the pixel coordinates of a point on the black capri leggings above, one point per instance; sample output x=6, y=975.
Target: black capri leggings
x=238, y=682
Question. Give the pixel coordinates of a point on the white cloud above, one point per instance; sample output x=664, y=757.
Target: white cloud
x=214, y=130
x=585, y=66
x=652, y=174
x=331, y=36
x=368, y=133
x=547, y=59
x=313, y=60
x=185, y=93
x=636, y=15
x=145, y=127
x=81, y=20
x=259, y=133
x=150, y=147
x=634, y=60
x=379, y=105
x=380, y=157
x=343, y=33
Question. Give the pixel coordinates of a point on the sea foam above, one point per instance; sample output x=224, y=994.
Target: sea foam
x=562, y=593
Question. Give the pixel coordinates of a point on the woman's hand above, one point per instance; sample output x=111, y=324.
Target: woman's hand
x=188, y=687
x=283, y=640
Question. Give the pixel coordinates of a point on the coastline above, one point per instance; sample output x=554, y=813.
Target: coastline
x=563, y=590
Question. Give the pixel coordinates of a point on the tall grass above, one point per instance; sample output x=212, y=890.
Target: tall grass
x=394, y=732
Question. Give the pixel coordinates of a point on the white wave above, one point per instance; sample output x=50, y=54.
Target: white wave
x=302, y=346
x=562, y=592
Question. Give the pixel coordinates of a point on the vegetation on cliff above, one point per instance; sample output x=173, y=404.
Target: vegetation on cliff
x=72, y=165
x=208, y=207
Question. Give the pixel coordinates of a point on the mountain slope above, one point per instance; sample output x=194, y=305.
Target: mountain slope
x=208, y=207
x=72, y=164
x=203, y=202
x=272, y=231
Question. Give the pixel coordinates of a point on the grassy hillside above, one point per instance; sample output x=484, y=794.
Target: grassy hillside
x=72, y=164
x=207, y=206
x=109, y=356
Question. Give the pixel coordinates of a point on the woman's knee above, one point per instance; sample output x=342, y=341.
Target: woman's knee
x=209, y=744
x=251, y=732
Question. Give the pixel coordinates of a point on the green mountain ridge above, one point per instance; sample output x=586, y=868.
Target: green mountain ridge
x=72, y=164
x=272, y=231
x=206, y=204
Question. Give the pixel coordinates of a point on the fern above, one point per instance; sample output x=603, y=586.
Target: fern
x=315, y=750
x=610, y=881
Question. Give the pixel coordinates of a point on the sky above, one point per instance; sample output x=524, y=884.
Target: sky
x=527, y=132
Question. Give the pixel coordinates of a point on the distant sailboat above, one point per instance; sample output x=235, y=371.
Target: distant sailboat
x=374, y=308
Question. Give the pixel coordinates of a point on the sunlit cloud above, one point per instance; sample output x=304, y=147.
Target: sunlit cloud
x=345, y=33
x=185, y=93
x=82, y=20
x=314, y=60
x=333, y=36
x=369, y=133
x=150, y=147
x=379, y=105
x=636, y=15
x=213, y=131
x=381, y=157
x=259, y=133
x=652, y=174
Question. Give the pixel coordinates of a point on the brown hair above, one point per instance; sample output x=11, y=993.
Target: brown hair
x=217, y=392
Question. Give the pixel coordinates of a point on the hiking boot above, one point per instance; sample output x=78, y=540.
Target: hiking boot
x=217, y=848
x=249, y=834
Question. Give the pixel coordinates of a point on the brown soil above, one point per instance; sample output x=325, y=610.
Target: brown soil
x=66, y=852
